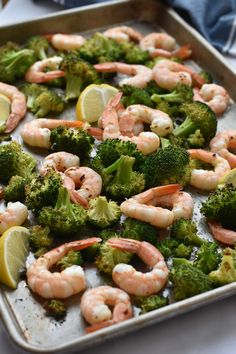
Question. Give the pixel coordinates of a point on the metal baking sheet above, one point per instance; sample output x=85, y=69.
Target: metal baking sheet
x=22, y=311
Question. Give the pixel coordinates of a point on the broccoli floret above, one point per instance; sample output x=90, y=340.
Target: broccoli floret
x=183, y=251
x=181, y=93
x=167, y=246
x=14, y=161
x=90, y=253
x=208, y=257
x=72, y=258
x=185, y=231
x=133, y=54
x=75, y=141
x=103, y=213
x=167, y=166
x=188, y=281
x=15, y=190
x=65, y=218
x=134, y=95
x=32, y=91
x=226, y=273
x=139, y=230
x=150, y=303
x=195, y=140
x=43, y=191
x=221, y=205
x=78, y=75
x=206, y=76
x=125, y=182
x=40, y=240
x=55, y=308
x=39, y=45
x=48, y=102
x=14, y=63
x=109, y=257
x=99, y=49
x=198, y=116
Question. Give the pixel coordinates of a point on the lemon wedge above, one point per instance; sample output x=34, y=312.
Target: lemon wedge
x=229, y=178
x=5, y=108
x=92, y=101
x=14, y=248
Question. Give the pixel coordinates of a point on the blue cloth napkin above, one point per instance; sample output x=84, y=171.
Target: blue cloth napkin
x=214, y=19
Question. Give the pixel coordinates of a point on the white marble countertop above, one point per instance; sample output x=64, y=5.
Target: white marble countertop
x=207, y=330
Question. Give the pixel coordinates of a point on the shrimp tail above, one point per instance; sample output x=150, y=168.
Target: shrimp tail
x=72, y=124
x=198, y=81
x=12, y=122
x=97, y=326
x=183, y=52
x=105, y=67
x=96, y=132
x=81, y=244
x=124, y=244
x=77, y=198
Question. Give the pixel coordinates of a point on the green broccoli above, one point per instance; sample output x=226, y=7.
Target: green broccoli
x=195, y=140
x=55, y=308
x=90, y=253
x=150, y=303
x=226, y=273
x=103, y=213
x=135, y=95
x=221, y=205
x=125, y=182
x=208, y=257
x=109, y=257
x=198, y=116
x=14, y=161
x=133, y=54
x=42, y=191
x=181, y=93
x=15, y=190
x=183, y=251
x=75, y=141
x=167, y=166
x=65, y=218
x=72, y=258
x=40, y=240
x=167, y=247
x=99, y=49
x=185, y=231
x=188, y=281
x=39, y=45
x=78, y=75
x=32, y=91
x=139, y=230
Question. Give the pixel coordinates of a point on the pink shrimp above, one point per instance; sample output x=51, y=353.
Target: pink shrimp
x=215, y=96
x=221, y=234
x=222, y=142
x=66, y=42
x=59, y=161
x=132, y=281
x=123, y=33
x=36, y=73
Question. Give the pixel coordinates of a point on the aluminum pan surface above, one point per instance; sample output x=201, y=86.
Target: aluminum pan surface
x=22, y=313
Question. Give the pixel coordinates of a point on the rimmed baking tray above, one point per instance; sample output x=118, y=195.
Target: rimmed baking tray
x=21, y=312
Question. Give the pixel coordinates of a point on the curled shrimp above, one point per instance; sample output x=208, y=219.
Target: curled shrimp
x=66, y=42
x=58, y=285
x=204, y=179
x=222, y=142
x=132, y=281
x=15, y=214
x=59, y=161
x=38, y=131
x=140, y=74
x=221, y=234
x=144, y=207
x=215, y=96
x=123, y=33
x=37, y=74
x=160, y=122
x=168, y=74
x=89, y=181
x=163, y=45
x=18, y=106
x=95, y=307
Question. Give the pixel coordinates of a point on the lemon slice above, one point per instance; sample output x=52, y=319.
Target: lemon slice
x=14, y=249
x=229, y=178
x=92, y=101
x=5, y=108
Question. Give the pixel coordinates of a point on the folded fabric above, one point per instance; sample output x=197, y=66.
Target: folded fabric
x=215, y=20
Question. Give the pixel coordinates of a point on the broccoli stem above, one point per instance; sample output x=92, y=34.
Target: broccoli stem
x=185, y=129
x=173, y=96
x=103, y=210
x=124, y=169
x=16, y=58
x=63, y=200
x=164, y=142
x=73, y=86
x=42, y=54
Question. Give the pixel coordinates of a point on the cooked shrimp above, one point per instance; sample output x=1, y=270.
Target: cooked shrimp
x=215, y=96
x=163, y=45
x=36, y=73
x=89, y=181
x=143, y=206
x=204, y=179
x=221, y=234
x=58, y=285
x=18, y=106
x=123, y=33
x=59, y=161
x=168, y=74
x=15, y=214
x=160, y=122
x=37, y=132
x=140, y=74
x=146, y=142
x=95, y=307
x=132, y=281
x=222, y=142
x=66, y=41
